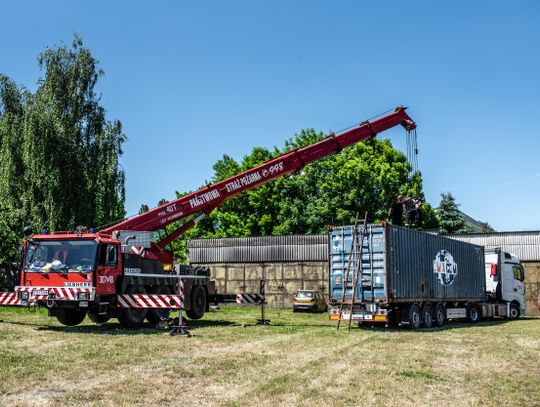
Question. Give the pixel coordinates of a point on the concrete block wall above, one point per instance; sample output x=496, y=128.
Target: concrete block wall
x=532, y=287
x=282, y=279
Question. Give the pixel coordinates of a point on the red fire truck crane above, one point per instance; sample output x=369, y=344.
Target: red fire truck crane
x=121, y=272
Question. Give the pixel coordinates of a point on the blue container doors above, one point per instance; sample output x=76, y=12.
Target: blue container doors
x=371, y=284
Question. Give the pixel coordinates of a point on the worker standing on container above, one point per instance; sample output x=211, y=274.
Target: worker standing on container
x=412, y=211
x=395, y=213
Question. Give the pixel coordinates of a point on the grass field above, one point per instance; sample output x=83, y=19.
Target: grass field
x=299, y=360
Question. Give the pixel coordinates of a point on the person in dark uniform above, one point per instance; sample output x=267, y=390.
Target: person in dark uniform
x=395, y=213
x=412, y=211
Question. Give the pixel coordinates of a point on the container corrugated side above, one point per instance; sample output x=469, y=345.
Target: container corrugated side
x=429, y=267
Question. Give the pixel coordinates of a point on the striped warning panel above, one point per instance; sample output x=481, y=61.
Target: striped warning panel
x=9, y=299
x=165, y=301
x=249, y=298
x=58, y=293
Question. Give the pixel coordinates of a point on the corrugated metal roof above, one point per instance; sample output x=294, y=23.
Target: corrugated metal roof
x=260, y=249
x=525, y=245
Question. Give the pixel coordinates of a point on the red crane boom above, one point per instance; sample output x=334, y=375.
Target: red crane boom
x=207, y=198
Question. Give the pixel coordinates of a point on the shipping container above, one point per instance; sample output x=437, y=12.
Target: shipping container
x=404, y=265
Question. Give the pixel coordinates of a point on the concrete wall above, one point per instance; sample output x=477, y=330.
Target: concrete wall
x=282, y=279
x=532, y=287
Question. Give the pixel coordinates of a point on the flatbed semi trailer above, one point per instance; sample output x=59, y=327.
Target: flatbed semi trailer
x=414, y=278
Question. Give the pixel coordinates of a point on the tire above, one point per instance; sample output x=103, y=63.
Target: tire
x=70, y=316
x=156, y=315
x=514, y=312
x=133, y=317
x=473, y=314
x=197, y=302
x=440, y=315
x=427, y=316
x=415, y=316
x=97, y=318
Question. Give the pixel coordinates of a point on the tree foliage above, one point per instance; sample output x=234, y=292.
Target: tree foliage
x=59, y=155
x=363, y=177
x=450, y=217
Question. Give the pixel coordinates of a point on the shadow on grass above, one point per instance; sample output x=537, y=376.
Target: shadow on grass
x=449, y=325
x=114, y=328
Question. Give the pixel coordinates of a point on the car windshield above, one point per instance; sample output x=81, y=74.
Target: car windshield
x=61, y=256
x=304, y=294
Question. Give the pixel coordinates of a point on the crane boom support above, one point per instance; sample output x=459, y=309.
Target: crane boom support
x=211, y=196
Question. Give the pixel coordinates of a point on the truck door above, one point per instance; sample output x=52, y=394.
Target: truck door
x=107, y=270
x=513, y=287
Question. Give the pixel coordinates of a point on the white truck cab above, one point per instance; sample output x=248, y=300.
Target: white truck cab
x=505, y=280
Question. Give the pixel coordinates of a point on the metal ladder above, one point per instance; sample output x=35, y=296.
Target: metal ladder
x=356, y=254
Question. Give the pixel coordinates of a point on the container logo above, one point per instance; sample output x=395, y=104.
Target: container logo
x=445, y=267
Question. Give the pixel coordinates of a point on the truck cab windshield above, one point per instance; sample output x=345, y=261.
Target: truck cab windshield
x=61, y=256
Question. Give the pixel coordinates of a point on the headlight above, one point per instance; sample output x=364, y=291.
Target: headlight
x=25, y=295
x=83, y=296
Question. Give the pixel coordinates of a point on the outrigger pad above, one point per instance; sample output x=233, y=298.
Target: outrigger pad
x=178, y=329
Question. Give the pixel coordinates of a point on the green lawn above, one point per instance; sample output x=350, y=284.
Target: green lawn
x=301, y=359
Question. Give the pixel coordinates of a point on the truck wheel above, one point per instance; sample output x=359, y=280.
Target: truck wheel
x=514, y=311
x=97, y=318
x=197, y=302
x=415, y=316
x=473, y=314
x=132, y=317
x=427, y=316
x=70, y=316
x=440, y=316
x=156, y=315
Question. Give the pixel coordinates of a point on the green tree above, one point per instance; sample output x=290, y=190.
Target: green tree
x=59, y=154
x=450, y=217
x=487, y=228
x=143, y=209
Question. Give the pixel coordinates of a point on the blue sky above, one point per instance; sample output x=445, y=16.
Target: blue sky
x=191, y=81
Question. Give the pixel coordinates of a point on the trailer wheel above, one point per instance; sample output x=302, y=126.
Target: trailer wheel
x=132, y=317
x=440, y=316
x=70, y=316
x=514, y=311
x=97, y=318
x=415, y=316
x=427, y=315
x=197, y=302
x=156, y=315
x=473, y=314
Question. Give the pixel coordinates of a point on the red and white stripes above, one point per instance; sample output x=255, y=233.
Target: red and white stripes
x=57, y=293
x=9, y=299
x=160, y=301
x=165, y=301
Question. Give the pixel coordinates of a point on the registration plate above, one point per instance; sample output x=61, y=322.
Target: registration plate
x=40, y=292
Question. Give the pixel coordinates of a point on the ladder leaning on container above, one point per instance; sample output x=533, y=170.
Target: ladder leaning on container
x=354, y=262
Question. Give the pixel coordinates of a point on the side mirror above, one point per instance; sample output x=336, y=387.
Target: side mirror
x=27, y=230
